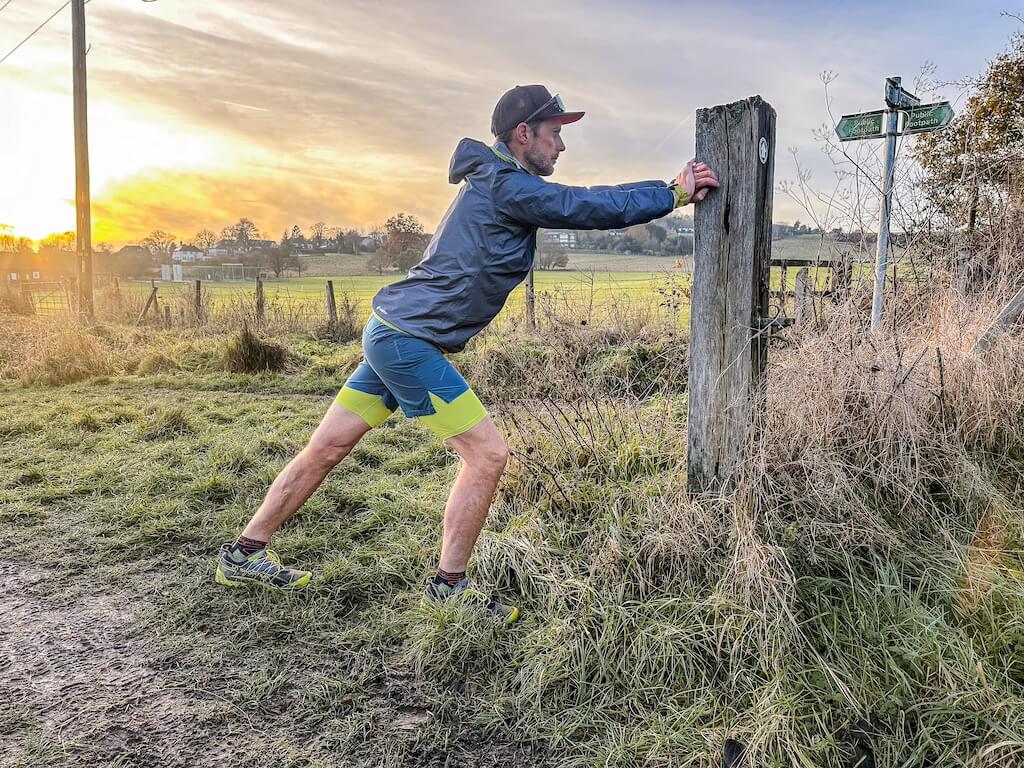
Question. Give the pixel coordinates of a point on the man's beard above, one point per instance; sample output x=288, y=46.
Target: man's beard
x=538, y=164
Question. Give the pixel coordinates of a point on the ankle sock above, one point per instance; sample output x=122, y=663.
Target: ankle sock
x=451, y=578
x=247, y=546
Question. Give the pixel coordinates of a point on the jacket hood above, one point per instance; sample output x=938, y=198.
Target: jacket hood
x=469, y=155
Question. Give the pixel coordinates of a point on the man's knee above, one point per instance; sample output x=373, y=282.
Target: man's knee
x=491, y=457
x=329, y=452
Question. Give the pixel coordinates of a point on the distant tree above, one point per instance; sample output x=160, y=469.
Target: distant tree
x=58, y=251
x=379, y=236
x=337, y=235
x=973, y=166
x=296, y=234
x=7, y=239
x=405, y=240
x=552, y=257
x=351, y=241
x=379, y=262
x=160, y=243
x=61, y=242
x=317, y=233
x=242, y=233
x=204, y=240
x=683, y=244
x=279, y=260
x=657, y=233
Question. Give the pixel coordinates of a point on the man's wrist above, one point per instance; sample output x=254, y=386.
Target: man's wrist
x=682, y=198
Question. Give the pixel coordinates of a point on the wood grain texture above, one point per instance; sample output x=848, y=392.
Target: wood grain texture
x=732, y=250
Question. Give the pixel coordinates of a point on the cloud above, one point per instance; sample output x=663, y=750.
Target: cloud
x=347, y=112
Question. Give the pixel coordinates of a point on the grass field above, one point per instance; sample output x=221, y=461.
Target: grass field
x=601, y=275
x=867, y=587
x=592, y=286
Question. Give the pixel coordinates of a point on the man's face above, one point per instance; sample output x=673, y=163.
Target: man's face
x=543, y=148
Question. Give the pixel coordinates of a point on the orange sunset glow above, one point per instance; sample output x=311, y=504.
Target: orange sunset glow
x=200, y=113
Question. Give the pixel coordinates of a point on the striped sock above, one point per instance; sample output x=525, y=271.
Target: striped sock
x=451, y=578
x=247, y=546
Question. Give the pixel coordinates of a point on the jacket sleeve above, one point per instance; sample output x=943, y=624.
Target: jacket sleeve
x=628, y=185
x=531, y=200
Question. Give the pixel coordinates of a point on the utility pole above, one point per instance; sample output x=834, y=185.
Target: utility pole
x=83, y=212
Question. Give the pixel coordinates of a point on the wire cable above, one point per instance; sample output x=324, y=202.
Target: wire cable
x=6, y=4
x=33, y=32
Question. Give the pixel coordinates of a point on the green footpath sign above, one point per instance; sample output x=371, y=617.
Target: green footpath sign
x=864, y=125
x=928, y=117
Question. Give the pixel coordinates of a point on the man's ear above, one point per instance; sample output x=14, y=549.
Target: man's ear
x=522, y=133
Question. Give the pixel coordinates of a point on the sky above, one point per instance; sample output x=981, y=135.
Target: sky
x=347, y=112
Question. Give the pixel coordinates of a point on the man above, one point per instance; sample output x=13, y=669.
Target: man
x=483, y=248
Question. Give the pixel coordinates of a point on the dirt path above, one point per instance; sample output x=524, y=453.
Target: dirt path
x=79, y=687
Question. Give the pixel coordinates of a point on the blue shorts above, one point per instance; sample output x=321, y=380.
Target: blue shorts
x=401, y=370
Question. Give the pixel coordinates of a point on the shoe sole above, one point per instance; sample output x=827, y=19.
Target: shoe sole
x=221, y=578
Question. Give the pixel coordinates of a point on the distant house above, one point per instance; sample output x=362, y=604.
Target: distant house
x=186, y=254
x=23, y=267
x=559, y=237
x=132, y=252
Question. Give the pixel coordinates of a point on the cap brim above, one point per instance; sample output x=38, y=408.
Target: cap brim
x=569, y=117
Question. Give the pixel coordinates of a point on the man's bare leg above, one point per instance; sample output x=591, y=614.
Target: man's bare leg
x=484, y=456
x=333, y=440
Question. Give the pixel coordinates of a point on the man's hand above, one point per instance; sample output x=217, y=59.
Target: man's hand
x=694, y=182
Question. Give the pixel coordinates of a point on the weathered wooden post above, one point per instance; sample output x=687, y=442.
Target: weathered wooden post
x=803, y=303
x=729, y=310
x=332, y=306
x=150, y=302
x=531, y=302
x=260, y=304
x=199, y=302
x=842, y=277
x=167, y=315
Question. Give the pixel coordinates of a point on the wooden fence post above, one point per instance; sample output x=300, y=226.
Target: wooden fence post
x=729, y=310
x=167, y=315
x=804, y=297
x=150, y=302
x=199, y=302
x=531, y=302
x=332, y=307
x=842, y=277
x=260, y=304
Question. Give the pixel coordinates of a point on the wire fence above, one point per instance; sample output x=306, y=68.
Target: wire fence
x=341, y=305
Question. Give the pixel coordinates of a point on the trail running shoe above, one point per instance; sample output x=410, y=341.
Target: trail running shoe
x=439, y=593
x=262, y=567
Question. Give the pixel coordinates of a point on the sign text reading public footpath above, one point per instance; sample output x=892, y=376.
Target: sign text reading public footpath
x=885, y=124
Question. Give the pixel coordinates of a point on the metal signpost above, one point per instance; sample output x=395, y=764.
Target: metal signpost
x=884, y=123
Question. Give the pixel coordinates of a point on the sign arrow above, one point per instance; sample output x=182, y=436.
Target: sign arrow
x=863, y=125
x=928, y=117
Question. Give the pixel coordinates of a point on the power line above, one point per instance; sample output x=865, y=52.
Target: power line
x=8, y=54
x=6, y=4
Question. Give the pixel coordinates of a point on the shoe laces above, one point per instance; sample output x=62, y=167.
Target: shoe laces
x=273, y=557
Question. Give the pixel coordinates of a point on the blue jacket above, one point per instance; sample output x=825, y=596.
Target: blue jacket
x=484, y=245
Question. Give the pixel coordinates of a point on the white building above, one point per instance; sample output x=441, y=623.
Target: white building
x=557, y=237
x=186, y=254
